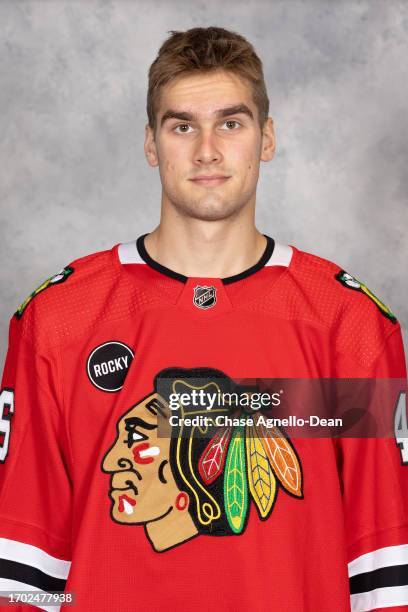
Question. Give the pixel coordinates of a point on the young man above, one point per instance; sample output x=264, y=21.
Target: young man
x=231, y=514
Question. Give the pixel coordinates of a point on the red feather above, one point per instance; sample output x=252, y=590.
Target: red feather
x=211, y=463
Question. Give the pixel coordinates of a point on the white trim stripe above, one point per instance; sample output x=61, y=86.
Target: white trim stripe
x=379, y=598
x=281, y=256
x=383, y=557
x=128, y=253
x=15, y=585
x=35, y=557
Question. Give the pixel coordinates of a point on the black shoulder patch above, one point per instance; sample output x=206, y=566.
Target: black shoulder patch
x=60, y=277
x=351, y=282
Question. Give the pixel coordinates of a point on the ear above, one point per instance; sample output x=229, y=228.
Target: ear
x=150, y=147
x=268, y=140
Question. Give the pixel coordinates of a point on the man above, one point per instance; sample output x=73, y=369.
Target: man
x=226, y=514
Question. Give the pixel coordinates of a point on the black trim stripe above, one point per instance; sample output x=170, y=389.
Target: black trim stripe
x=395, y=575
x=154, y=264
x=12, y=570
x=267, y=254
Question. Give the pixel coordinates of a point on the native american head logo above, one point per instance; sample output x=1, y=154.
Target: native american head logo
x=347, y=280
x=199, y=479
x=60, y=277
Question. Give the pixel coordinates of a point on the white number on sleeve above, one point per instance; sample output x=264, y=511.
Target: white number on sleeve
x=401, y=426
x=6, y=412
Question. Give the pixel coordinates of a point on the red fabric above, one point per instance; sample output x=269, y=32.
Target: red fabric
x=296, y=322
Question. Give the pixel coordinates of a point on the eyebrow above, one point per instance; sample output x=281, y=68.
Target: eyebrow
x=136, y=421
x=221, y=112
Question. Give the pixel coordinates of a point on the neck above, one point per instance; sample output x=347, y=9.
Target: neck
x=199, y=248
x=173, y=529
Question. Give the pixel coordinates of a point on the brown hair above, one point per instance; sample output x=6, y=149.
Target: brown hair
x=203, y=50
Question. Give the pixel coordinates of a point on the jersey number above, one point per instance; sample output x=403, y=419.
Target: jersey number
x=6, y=412
x=401, y=426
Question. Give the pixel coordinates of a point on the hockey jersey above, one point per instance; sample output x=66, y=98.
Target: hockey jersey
x=98, y=504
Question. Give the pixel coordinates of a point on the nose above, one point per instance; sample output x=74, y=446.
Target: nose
x=114, y=462
x=207, y=150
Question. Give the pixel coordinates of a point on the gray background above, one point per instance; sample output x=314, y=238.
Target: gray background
x=73, y=178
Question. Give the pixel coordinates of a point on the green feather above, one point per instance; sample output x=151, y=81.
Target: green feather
x=235, y=482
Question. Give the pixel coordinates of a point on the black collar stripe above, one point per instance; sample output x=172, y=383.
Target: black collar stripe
x=135, y=252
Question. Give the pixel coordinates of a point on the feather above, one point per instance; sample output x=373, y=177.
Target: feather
x=262, y=482
x=235, y=482
x=283, y=459
x=212, y=460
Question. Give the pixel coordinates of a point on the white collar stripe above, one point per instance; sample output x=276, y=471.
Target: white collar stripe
x=128, y=253
x=281, y=256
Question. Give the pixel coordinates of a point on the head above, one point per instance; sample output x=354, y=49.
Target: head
x=148, y=461
x=207, y=110
x=194, y=478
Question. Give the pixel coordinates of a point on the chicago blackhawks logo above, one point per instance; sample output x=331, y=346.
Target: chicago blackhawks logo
x=200, y=479
x=60, y=277
x=347, y=280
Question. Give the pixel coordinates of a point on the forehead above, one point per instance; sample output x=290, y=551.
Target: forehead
x=144, y=410
x=202, y=94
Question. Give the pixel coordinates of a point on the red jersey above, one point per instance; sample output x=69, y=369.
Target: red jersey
x=94, y=502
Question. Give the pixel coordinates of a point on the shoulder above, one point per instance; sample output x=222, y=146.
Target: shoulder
x=327, y=295
x=69, y=300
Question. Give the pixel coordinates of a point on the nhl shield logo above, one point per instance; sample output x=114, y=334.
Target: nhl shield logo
x=204, y=297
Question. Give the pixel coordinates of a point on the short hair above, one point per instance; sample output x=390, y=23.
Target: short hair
x=203, y=50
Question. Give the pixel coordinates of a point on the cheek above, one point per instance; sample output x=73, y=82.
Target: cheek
x=170, y=158
x=145, y=453
x=243, y=158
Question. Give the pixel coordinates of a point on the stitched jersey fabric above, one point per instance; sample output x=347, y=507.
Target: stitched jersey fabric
x=94, y=502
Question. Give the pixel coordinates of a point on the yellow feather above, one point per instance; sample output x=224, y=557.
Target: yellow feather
x=262, y=482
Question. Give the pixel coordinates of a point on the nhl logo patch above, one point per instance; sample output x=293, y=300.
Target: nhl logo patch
x=108, y=365
x=204, y=296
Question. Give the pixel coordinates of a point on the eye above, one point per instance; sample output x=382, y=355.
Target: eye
x=134, y=436
x=182, y=125
x=228, y=122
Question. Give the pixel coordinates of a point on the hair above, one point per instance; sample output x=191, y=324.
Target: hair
x=187, y=443
x=201, y=50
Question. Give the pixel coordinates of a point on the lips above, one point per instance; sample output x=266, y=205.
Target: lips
x=210, y=180
x=126, y=504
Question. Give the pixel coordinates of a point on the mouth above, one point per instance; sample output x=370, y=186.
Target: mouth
x=126, y=503
x=210, y=181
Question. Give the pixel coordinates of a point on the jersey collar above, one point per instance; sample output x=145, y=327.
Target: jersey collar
x=144, y=255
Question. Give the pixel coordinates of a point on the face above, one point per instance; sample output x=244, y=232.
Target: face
x=142, y=484
x=208, y=145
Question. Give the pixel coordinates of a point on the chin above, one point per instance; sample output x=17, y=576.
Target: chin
x=209, y=211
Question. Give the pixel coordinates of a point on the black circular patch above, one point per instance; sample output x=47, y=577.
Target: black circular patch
x=108, y=365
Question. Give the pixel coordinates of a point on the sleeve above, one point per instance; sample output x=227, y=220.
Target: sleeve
x=374, y=481
x=35, y=485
